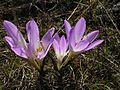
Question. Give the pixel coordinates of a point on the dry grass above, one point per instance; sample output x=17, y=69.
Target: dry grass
x=98, y=69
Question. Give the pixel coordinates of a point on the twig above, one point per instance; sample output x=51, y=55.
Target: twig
x=69, y=17
x=99, y=84
x=110, y=17
x=74, y=10
x=85, y=10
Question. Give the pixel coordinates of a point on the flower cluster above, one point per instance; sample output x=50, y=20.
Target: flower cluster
x=36, y=49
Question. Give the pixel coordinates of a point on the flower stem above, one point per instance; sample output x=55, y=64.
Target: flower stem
x=70, y=57
x=35, y=64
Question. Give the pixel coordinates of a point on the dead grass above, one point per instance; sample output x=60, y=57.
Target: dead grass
x=98, y=69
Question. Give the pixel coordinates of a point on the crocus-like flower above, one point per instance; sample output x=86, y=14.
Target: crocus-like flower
x=78, y=42
x=60, y=46
x=34, y=49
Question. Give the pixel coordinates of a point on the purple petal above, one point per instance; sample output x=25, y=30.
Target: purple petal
x=29, y=50
x=10, y=41
x=56, y=47
x=41, y=55
x=63, y=45
x=67, y=28
x=11, y=29
x=46, y=43
x=33, y=34
x=46, y=40
x=21, y=40
x=80, y=28
x=57, y=37
x=81, y=45
x=92, y=36
x=15, y=35
x=72, y=39
x=47, y=49
x=19, y=51
x=94, y=44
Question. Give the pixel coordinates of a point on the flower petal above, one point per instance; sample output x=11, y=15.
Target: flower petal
x=56, y=47
x=81, y=45
x=92, y=36
x=41, y=55
x=19, y=51
x=11, y=29
x=63, y=46
x=21, y=40
x=57, y=37
x=30, y=51
x=72, y=39
x=10, y=41
x=67, y=28
x=46, y=39
x=15, y=35
x=80, y=28
x=33, y=35
x=94, y=44
x=46, y=51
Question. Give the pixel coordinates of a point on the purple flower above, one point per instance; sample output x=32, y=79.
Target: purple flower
x=34, y=49
x=60, y=46
x=75, y=35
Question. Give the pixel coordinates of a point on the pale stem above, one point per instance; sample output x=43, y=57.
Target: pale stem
x=70, y=57
x=59, y=63
x=35, y=64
